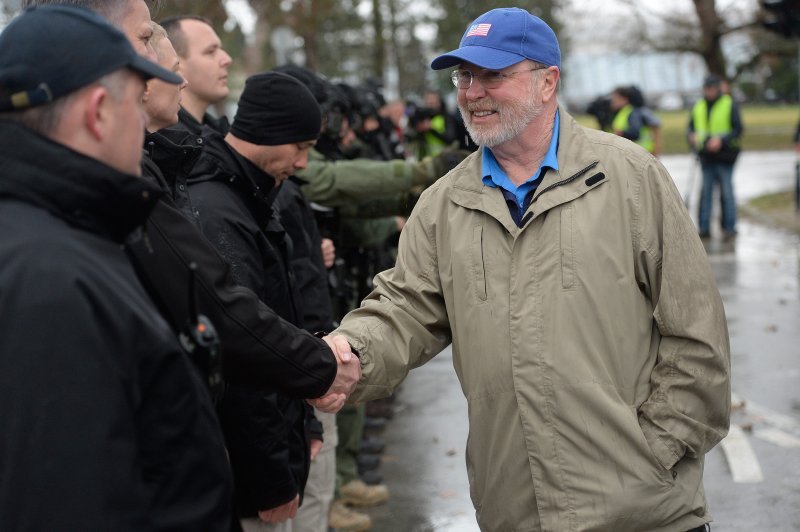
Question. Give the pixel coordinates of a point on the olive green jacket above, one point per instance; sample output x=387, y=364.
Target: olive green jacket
x=348, y=182
x=591, y=344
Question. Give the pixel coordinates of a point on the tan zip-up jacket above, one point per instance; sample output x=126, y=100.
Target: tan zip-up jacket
x=591, y=343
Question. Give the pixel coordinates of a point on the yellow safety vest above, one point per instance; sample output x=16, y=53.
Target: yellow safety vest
x=621, y=123
x=714, y=124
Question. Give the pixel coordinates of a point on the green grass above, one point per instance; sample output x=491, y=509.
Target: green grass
x=778, y=210
x=777, y=201
x=766, y=127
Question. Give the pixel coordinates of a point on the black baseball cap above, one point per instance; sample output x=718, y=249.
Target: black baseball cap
x=53, y=50
x=712, y=80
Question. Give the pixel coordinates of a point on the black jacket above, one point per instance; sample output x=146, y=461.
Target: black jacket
x=260, y=349
x=105, y=424
x=307, y=265
x=189, y=123
x=265, y=432
x=169, y=155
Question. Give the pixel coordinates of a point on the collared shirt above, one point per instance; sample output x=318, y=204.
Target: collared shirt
x=519, y=198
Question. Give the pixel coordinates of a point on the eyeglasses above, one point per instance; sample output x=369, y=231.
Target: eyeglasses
x=490, y=79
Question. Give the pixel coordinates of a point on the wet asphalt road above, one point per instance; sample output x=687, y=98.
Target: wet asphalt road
x=756, y=487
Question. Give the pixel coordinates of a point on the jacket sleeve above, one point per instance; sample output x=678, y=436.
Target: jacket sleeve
x=403, y=323
x=337, y=183
x=396, y=205
x=260, y=349
x=368, y=232
x=687, y=412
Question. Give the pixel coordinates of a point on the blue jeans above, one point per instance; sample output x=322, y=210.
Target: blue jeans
x=721, y=173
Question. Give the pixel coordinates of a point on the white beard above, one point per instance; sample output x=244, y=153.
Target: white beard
x=514, y=116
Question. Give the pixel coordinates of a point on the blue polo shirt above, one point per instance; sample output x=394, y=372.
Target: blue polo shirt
x=518, y=198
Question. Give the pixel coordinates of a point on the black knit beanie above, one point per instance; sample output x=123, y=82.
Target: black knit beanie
x=276, y=109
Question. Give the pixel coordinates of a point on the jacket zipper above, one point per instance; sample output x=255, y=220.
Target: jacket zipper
x=570, y=179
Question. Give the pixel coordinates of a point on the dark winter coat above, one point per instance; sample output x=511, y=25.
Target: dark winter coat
x=264, y=432
x=189, y=123
x=105, y=423
x=307, y=265
x=260, y=349
x=170, y=154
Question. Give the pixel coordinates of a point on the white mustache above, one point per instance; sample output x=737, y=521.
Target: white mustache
x=475, y=108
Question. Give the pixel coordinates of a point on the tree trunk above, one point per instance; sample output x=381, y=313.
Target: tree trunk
x=379, y=47
x=711, y=30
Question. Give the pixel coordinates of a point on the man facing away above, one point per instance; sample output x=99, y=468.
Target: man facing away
x=588, y=334
x=105, y=423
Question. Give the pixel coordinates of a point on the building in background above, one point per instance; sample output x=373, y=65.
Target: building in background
x=668, y=80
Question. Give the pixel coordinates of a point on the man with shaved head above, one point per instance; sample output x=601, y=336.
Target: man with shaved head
x=204, y=64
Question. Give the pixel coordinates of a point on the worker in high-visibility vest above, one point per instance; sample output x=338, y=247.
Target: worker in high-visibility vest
x=633, y=120
x=434, y=128
x=715, y=130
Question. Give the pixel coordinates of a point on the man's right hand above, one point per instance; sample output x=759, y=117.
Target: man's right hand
x=348, y=373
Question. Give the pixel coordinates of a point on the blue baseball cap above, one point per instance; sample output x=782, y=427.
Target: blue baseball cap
x=50, y=51
x=503, y=37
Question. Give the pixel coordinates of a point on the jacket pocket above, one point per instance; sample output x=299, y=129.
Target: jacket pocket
x=478, y=267
x=567, y=249
x=665, y=475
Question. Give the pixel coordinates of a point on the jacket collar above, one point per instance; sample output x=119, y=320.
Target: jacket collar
x=189, y=123
x=174, y=151
x=219, y=162
x=78, y=189
x=577, y=174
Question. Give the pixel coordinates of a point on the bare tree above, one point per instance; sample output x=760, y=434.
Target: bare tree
x=698, y=28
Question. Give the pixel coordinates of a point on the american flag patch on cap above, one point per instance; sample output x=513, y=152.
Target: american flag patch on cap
x=479, y=29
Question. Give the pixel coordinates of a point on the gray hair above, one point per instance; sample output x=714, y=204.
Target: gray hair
x=158, y=33
x=46, y=118
x=113, y=10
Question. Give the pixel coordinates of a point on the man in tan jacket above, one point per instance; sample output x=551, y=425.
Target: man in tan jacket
x=588, y=334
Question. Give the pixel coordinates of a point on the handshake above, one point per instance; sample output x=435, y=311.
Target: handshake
x=348, y=373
